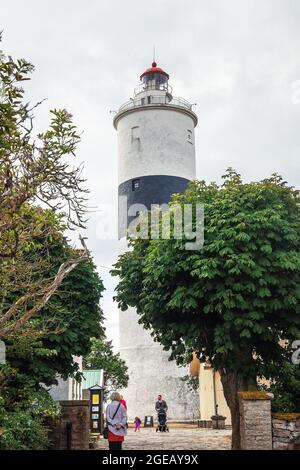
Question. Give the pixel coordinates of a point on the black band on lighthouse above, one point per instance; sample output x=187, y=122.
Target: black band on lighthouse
x=147, y=190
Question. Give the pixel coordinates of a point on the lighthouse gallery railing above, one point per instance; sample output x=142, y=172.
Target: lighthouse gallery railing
x=156, y=100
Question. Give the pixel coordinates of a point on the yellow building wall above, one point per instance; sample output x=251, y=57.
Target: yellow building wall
x=210, y=390
x=206, y=392
x=211, y=393
x=223, y=408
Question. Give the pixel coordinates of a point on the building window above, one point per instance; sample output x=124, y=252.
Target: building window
x=135, y=133
x=149, y=99
x=135, y=138
x=135, y=185
x=190, y=136
x=143, y=101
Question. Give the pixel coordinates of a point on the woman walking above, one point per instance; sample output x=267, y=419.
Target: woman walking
x=116, y=419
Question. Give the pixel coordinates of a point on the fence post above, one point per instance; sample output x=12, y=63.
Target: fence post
x=255, y=420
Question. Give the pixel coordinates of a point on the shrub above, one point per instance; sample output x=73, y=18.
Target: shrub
x=20, y=430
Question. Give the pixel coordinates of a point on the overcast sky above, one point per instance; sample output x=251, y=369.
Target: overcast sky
x=239, y=60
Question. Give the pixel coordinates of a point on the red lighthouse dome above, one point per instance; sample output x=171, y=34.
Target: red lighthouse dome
x=154, y=78
x=154, y=69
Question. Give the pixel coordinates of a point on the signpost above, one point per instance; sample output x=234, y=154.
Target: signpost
x=148, y=422
x=96, y=409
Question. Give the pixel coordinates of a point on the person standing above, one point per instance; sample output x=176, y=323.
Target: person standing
x=161, y=405
x=116, y=419
x=123, y=402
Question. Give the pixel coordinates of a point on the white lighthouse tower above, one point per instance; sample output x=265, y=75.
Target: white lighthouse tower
x=156, y=158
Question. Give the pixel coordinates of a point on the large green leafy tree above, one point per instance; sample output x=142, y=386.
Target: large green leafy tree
x=103, y=357
x=41, y=330
x=232, y=300
x=63, y=328
x=50, y=339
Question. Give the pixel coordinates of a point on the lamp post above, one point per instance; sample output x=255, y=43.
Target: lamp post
x=218, y=421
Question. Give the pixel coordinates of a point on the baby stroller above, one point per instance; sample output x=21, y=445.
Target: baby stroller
x=162, y=421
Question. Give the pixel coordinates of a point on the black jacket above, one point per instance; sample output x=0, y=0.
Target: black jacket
x=161, y=406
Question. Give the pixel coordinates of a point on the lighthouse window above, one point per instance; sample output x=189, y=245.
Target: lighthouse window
x=135, y=132
x=135, y=185
x=190, y=136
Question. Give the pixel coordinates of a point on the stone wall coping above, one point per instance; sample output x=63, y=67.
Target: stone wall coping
x=286, y=416
x=74, y=403
x=255, y=395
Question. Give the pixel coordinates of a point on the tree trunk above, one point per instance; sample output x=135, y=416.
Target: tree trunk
x=233, y=382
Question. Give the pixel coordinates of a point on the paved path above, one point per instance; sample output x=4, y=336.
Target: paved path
x=176, y=439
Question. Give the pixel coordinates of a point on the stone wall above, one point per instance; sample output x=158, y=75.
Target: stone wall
x=255, y=416
x=76, y=413
x=285, y=427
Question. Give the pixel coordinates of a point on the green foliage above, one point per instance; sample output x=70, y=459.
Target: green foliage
x=20, y=430
x=71, y=318
x=191, y=381
x=23, y=428
x=42, y=331
x=13, y=391
x=78, y=317
x=232, y=300
x=103, y=357
x=34, y=168
x=43, y=405
x=285, y=386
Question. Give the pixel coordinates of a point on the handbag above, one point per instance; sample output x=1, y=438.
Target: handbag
x=106, y=430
